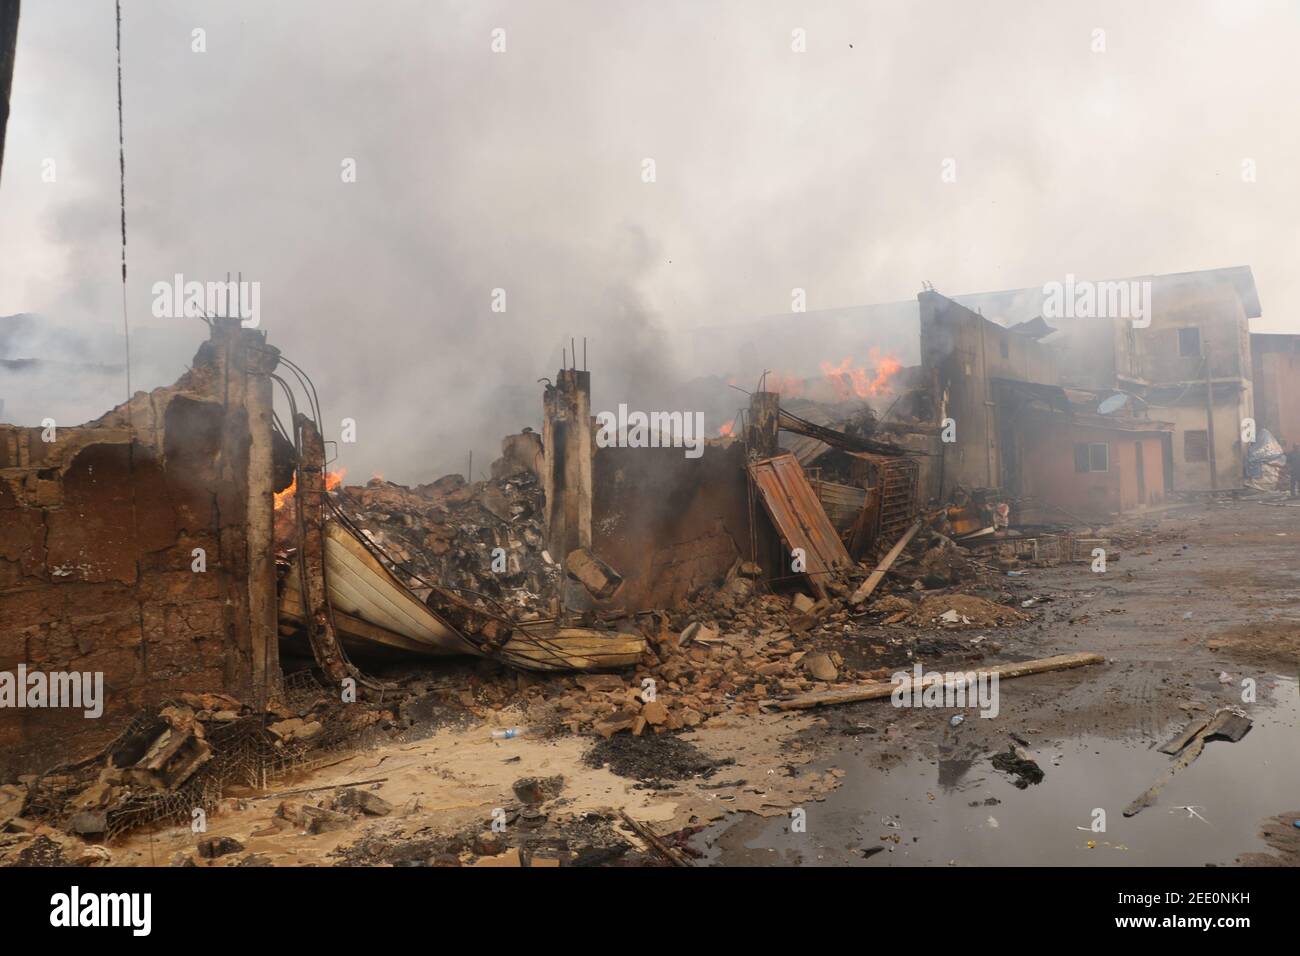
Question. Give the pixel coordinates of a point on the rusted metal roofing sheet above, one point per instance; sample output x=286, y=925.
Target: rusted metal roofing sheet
x=799, y=517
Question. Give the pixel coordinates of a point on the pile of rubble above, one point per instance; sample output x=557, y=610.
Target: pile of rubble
x=946, y=612
x=697, y=673
x=952, y=611
x=700, y=672
x=176, y=757
x=942, y=565
x=481, y=539
x=736, y=650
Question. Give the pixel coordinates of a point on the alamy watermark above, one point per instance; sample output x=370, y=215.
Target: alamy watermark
x=240, y=299
x=1083, y=299
x=75, y=908
x=651, y=430
x=946, y=689
x=37, y=689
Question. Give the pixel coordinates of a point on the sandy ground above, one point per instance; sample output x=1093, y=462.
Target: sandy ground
x=456, y=780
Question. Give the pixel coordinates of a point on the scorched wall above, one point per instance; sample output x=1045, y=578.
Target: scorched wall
x=98, y=529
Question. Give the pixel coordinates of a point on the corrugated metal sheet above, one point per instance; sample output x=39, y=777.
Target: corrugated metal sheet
x=842, y=503
x=806, y=450
x=799, y=517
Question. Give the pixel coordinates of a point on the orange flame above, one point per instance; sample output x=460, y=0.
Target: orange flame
x=850, y=380
x=728, y=429
x=282, y=497
x=332, y=480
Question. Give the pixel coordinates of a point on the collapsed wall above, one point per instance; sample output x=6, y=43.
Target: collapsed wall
x=668, y=523
x=138, y=547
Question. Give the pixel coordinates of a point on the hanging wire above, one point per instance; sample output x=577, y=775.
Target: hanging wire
x=121, y=166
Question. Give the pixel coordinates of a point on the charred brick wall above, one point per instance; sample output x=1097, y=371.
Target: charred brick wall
x=667, y=523
x=962, y=353
x=99, y=526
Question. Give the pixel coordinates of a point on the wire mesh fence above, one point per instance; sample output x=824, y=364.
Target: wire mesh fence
x=243, y=751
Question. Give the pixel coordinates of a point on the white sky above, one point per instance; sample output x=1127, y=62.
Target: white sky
x=522, y=170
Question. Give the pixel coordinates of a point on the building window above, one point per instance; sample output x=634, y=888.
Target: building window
x=1003, y=348
x=1092, y=456
x=1196, y=445
x=1189, y=342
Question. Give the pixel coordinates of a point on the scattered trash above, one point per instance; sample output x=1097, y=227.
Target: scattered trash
x=1015, y=762
x=965, y=610
x=600, y=580
x=364, y=802
x=1226, y=724
x=535, y=790
x=209, y=848
x=1191, y=812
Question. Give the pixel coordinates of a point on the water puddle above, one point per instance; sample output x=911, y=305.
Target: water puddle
x=921, y=812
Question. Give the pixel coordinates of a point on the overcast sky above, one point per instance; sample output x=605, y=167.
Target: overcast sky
x=523, y=170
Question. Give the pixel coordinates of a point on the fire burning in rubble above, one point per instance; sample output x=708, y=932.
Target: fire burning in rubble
x=728, y=429
x=332, y=480
x=839, y=382
x=849, y=380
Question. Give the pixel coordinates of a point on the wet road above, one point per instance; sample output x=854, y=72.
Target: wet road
x=918, y=791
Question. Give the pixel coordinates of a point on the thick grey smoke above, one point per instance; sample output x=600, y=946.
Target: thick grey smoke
x=523, y=171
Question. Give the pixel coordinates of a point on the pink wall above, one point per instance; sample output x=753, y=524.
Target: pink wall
x=1048, y=469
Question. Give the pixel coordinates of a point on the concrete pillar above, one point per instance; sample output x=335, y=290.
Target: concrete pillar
x=764, y=423
x=245, y=362
x=566, y=477
x=310, y=499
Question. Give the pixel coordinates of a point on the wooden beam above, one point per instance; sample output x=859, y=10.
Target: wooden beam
x=863, y=536
x=673, y=855
x=869, y=585
x=878, y=689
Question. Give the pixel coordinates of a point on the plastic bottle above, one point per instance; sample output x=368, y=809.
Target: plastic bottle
x=507, y=734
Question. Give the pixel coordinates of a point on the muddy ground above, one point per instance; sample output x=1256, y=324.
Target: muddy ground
x=1201, y=598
